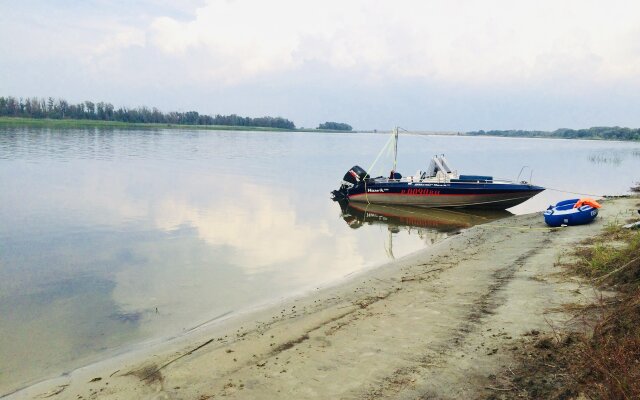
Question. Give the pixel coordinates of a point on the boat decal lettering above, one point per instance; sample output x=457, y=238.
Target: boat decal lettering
x=422, y=192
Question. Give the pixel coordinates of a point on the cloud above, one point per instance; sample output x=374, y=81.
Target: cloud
x=121, y=39
x=460, y=41
x=241, y=38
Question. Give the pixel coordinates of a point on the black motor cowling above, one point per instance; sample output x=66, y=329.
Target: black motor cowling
x=353, y=177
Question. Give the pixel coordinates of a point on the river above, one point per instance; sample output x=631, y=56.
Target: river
x=110, y=239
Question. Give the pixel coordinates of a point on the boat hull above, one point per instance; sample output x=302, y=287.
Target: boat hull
x=488, y=195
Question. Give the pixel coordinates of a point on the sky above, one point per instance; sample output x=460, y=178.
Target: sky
x=454, y=65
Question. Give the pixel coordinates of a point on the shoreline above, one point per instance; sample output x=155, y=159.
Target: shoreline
x=421, y=325
x=68, y=123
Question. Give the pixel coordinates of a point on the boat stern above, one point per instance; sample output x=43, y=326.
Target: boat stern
x=351, y=179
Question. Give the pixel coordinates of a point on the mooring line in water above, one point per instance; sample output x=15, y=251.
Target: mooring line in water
x=582, y=194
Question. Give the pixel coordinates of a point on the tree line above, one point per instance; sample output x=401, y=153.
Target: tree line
x=597, y=132
x=61, y=109
x=335, y=126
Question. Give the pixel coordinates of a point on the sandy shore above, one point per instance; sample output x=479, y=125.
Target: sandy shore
x=435, y=324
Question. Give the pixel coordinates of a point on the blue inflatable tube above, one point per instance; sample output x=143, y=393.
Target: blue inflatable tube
x=564, y=213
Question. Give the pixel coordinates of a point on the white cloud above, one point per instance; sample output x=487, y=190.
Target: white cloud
x=241, y=38
x=459, y=41
x=121, y=39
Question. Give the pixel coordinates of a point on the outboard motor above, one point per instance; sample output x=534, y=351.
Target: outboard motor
x=353, y=177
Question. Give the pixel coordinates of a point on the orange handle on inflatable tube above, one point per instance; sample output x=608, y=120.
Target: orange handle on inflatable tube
x=587, y=201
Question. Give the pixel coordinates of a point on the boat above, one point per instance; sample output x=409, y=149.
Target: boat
x=439, y=186
x=571, y=212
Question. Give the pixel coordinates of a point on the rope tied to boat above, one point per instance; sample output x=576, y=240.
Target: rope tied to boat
x=570, y=192
x=385, y=147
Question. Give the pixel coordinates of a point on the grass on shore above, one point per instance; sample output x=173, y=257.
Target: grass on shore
x=602, y=257
x=88, y=123
x=607, y=354
x=599, y=357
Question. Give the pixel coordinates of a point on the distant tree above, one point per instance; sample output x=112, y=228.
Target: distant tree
x=13, y=106
x=611, y=133
x=50, y=108
x=336, y=126
x=100, y=110
x=27, y=107
x=63, y=105
x=91, y=109
x=191, y=117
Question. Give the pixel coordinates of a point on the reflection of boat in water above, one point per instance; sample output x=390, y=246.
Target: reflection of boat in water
x=438, y=186
x=429, y=224
x=435, y=219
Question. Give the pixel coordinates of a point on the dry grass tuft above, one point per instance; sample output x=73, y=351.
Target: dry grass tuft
x=607, y=364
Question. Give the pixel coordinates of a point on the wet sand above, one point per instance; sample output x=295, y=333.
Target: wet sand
x=435, y=324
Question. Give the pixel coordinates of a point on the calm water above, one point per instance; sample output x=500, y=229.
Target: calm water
x=99, y=228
